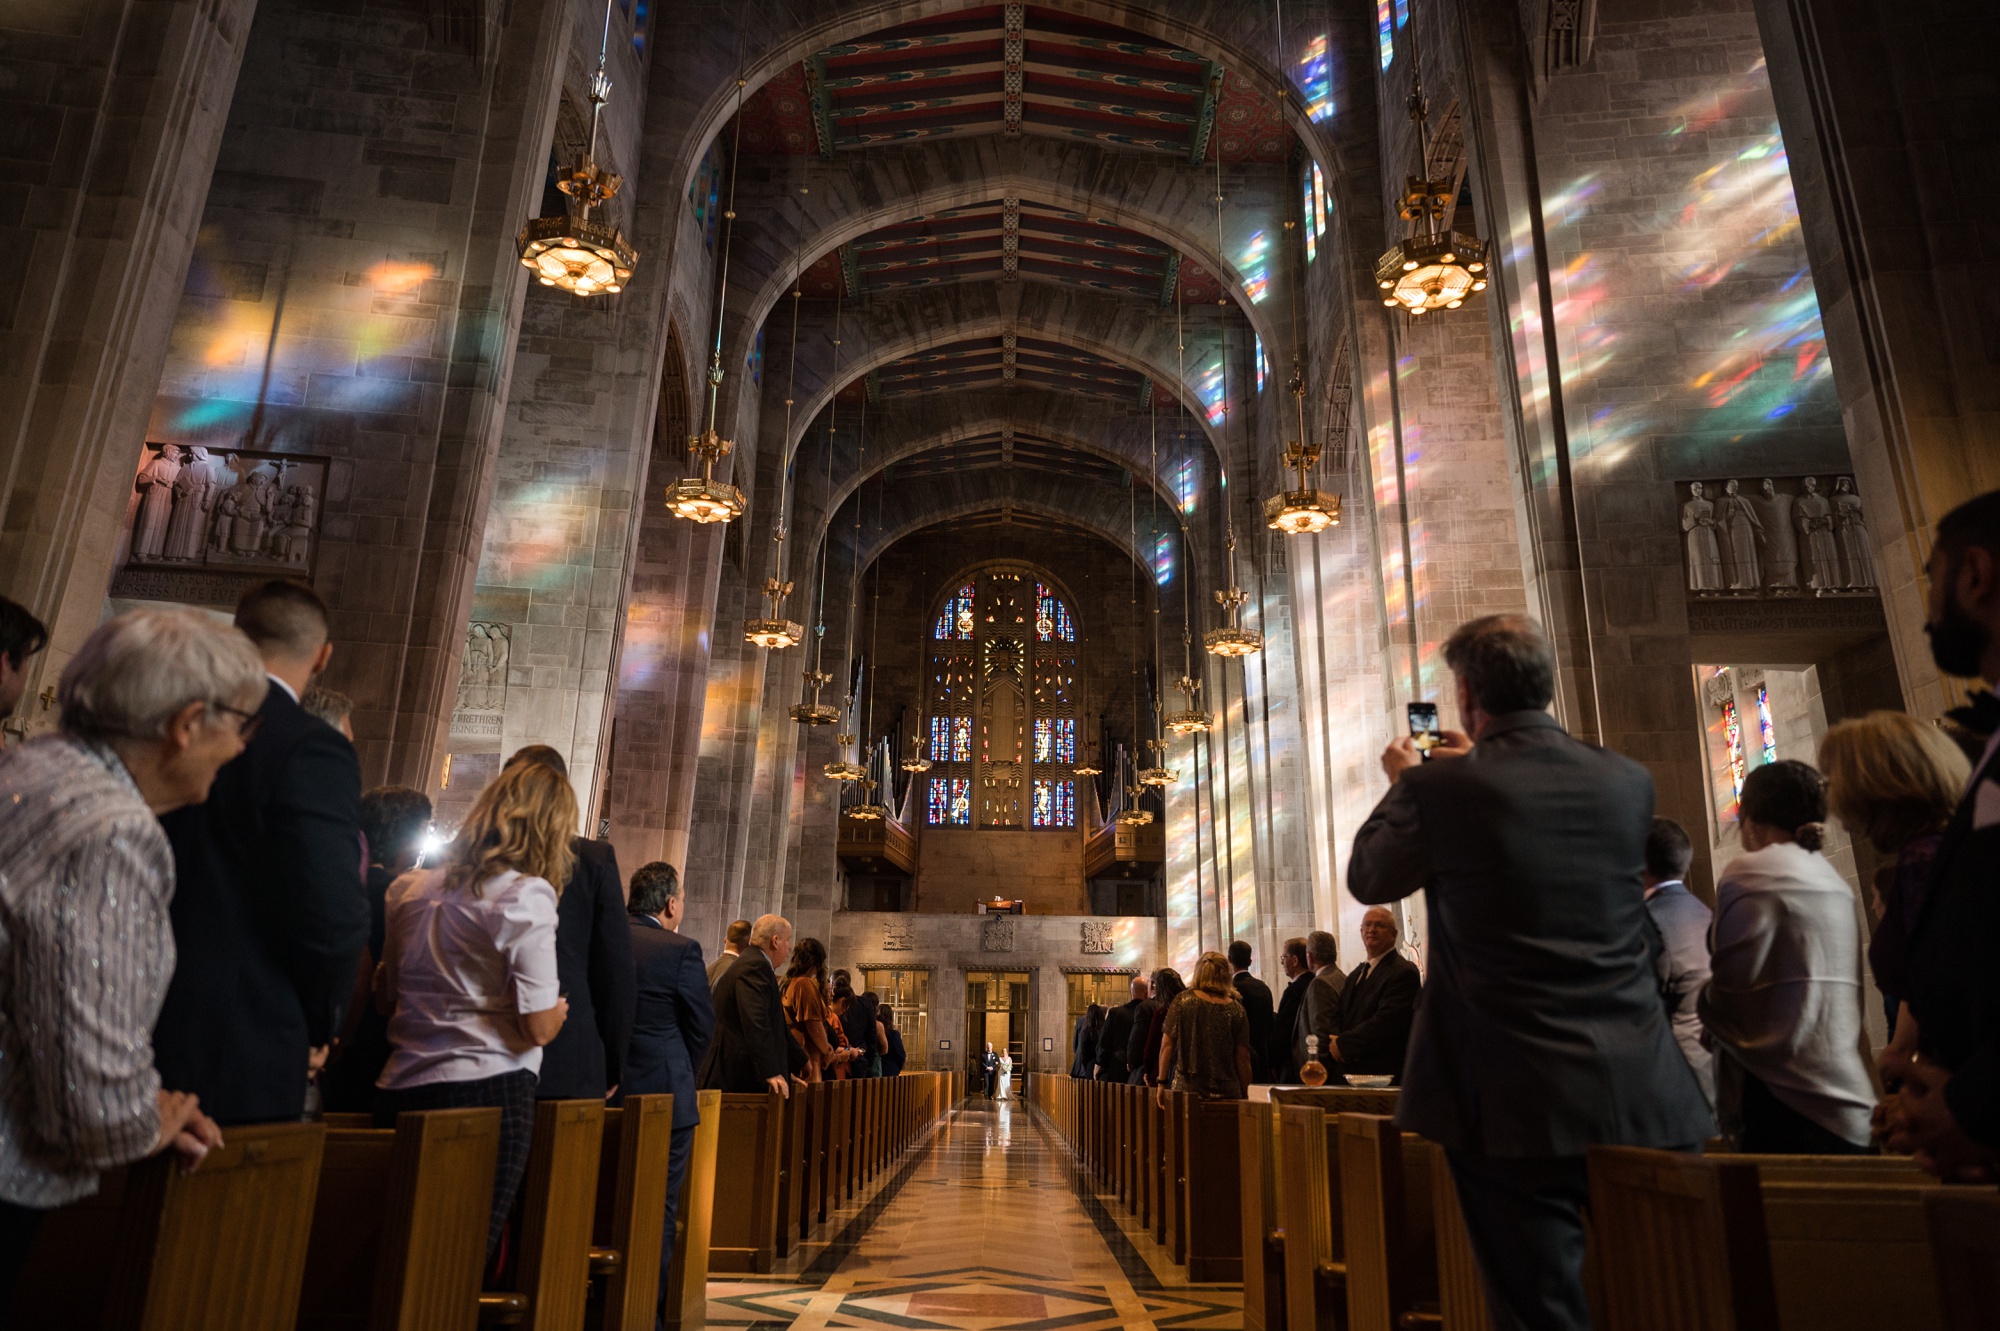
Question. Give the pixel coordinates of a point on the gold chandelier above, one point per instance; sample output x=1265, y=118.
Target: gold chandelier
x=1435, y=269
x=1132, y=815
x=1088, y=767
x=1157, y=775
x=1191, y=720
x=916, y=762
x=1232, y=639
x=1308, y=509
x=842, y=770
x=702, y=498
x=774, y=630
x=868, y=811
x=816, y=713
x=577, y=252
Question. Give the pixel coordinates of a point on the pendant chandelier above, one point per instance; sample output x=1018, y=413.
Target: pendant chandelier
x=817, y=713
x=868, y=811
x=1307, y=509
x=1132, y=815
x=1232, y=639
x=917, y=762
x=1088, y=767
x=1190, y=720
x=841, y=770
x=1157, y=775
x=576, y=251
x=774, y=631
x=1435, y=268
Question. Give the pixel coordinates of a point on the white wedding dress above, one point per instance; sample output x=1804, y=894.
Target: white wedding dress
x=1006, y=1075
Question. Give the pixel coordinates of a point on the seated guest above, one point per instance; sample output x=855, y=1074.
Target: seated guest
x=806, y=1011
x=1205, y=1038
x=1894, y=780
x=1683, y=923
x=672, y=1026
x=594, y=953
x=896, y=1056
x=1083, y=1045
x=394, y=821
x=468, y=975
x=1257, y=1005
x=1319, y=1014
x=1378, y=1003
x=1167, y=986
x=734, y=939
x=153, y=704
x=1946, y=1078
x=1539, y=1032
x=270, y=915
x=1113, y=1040
x=21, y=636
x=752, y=1052
x=1298, y=978
x=1783, y=1002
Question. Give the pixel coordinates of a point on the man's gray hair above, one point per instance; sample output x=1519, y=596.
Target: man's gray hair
x=329, y=705
x=767, y=930
x=136, y=671
x=1507, y=662
x=1322, y=948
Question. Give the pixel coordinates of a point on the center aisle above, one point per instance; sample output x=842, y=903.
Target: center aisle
x=984, y=1226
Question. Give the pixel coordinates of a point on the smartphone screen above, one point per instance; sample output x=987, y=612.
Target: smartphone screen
x=1424, y=726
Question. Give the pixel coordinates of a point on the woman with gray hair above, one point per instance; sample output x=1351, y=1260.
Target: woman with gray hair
x=153, y=703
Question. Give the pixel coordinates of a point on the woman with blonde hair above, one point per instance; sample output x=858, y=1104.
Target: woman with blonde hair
x=468, y=971
x=1894, y=780
x=1205, y=1037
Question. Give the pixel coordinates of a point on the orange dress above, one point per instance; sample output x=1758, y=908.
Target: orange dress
x=805, y=1004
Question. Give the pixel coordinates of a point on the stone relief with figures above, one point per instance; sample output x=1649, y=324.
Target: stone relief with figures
x=1782, y=537
x=233, y=510
x=1096, y=938
x=482, y=681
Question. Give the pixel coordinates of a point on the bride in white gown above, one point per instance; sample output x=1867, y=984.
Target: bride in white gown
x=1006, y=1075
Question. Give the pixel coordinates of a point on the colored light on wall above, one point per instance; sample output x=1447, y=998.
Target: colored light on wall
x=1312, y=234
x=1319, y=201
x=1385, y=32
x=1263, y=366
x=1163, y=559
x=1253, y=261
x=1316, y=79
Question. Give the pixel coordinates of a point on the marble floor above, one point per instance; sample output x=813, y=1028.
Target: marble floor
x=986, y=1225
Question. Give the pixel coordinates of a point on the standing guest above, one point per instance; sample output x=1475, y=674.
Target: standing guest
x=394, y=822
x=1205, y=1045
x=1539, y=1032
x=1894, y=780
x=734, y=939
x=331, y=706
x=1683, y=922
x=21, y=636
x=1319, y=1015
x=1145, y=1019
x=1378, y=1005
x=1298, y=978
x=856, y=1014
x=594, y=952
x=469, y=975
x=1083, y=1044
x=1783, y=1005
x=1167, y=986
x=153, y=704
x=806, y=1011
x=752, y=1052
x=1117, y=1034
x=1945, y=1068
x=270, y=914
x=989, y=1070
x=1257, y=1006
x=672, y=1026
x=897, y=1056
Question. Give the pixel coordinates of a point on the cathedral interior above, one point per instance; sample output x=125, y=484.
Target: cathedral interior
x=986, y=480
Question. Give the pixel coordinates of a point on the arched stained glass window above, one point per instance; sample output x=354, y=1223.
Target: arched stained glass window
x=1052, y=621
x=954, y=622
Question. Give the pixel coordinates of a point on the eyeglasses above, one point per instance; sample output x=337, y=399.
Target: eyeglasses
x=246, y=722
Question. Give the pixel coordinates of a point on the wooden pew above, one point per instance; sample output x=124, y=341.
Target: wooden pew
x=1965, y=1246
x=631, y=1212
x=1213, y=1198
x=1307, y=1201
x=551, y=1275
x=1388, y=1231
x=793, y=1161
x=399, y=1224
x=1260, y=1183
x=221, y=1249
x=743, y=1231
x=687, y=1280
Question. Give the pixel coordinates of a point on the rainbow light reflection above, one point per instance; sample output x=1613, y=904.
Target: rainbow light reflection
x=1316, y=79
x=1385, y=33
x=1254, y=262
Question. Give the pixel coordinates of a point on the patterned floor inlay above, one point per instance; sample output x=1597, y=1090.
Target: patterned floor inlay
x=985, y=1228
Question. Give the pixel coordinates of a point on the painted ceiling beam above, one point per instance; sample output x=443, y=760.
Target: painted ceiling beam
x=1013, y=52
x=1204, y=127
x=816, y=96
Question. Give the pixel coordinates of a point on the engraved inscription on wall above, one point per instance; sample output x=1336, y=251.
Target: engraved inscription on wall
x=1775, y=537
x=482, y=682
x=898, y=936
x=201, y=519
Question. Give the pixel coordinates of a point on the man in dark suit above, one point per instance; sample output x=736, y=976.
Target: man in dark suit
x=1256, y=998
x=989, y=1070
x=1298, y=978
x=1379, y=1004
x=1540, y=1032
x=671, y=1028
x=1319, y=1015
x=1683, y=923
x=754, y=1049
x=586, y=1060
x=269, y=911
x=1117, y=1033
x=734, y=939
x=1945, y=1106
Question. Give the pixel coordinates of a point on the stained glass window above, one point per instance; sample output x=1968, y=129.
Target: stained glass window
x=1055, y=804
x=1052, y=621
x=1767, y=732
x=1319, y=201
x=954, y=623
x=1055, y=740
x=951, y=739
x=1732, y=734
x=950, y=802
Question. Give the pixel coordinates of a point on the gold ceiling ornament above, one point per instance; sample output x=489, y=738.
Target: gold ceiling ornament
x=1435, y=268
x=868, y=811
x=1232, y=639
x=1307, y=509
x=1132, y=815
x=774, y=631
x=816, y=713
x=1157, y=775
x=577, y=252
x=842, y=770
x=916, y=762
x=1190, y=720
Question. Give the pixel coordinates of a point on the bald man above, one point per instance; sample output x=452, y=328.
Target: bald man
x=1379, y=1003
x=753, y=1049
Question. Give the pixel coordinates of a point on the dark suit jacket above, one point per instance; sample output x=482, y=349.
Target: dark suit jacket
x=594, y=966
x=1540, y=1030
x=674, y=1021
x=1142, y=1028
x=752, y=1042
x=1283, y=1065
x=1256, y=998
x=1954, y=984
x=269, y=918
x=1375, y=1016
x=1320, y=1015
x=1112, y=1040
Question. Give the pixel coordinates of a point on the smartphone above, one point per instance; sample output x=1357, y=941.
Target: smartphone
x=1424, y=726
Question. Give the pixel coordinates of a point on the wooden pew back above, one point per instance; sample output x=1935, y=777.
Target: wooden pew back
x=632, y=1208
x=687, y=1280
x=1851, y=1256
x=1263, y=1241
x=1964, y=1225
x=1680, y=1241
x=558, y=1209
x=743, y=1230
x=1390, y=1236
x=1309, y=1158
x=1213, y=1199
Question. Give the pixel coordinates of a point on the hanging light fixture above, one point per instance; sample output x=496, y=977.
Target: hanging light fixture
x=1232, y=639
x=1088, y=767
x=1157, y=775
x=1307, y=509
x=842, y=770
x=1435, y=268
x=917, y=762
x=1190, y=720
x=576, y=251
x=774, y=630
x=868, y=811
x=1132, y=815
x=817, y=713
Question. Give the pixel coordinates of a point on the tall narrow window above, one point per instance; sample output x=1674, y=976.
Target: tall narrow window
x=1766, y=731
x=1732, y=736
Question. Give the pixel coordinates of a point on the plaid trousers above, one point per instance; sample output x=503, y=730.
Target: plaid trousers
x=513, y=1094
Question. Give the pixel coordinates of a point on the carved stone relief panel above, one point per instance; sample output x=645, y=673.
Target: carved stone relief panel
x=206, y=522
x=997, y=935
x=1096, y=937
x=1775, y=537
x=482, y=682
x=898, y=936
